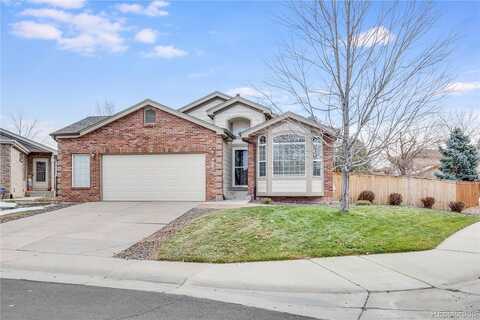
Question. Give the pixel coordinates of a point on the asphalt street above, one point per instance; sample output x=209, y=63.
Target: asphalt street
x=29, y=300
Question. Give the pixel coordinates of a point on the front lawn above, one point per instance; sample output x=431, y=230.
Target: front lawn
x=292, y=232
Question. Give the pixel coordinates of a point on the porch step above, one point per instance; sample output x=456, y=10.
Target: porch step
x=40, y=194
x=237, y=195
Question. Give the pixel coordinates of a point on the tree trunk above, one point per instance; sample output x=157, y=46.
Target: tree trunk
x=345, y=198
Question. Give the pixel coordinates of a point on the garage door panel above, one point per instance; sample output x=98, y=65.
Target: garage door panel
x=167, y=177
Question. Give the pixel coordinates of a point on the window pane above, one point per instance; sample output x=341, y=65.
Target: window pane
x=262, y=155
x=288, y=138
x=263, y=140
x=41, y=171
x=317, y=168
x=241, y=158
x=262, y=169
x=317, y=151
x=241, y=177
x=289, y=159
x=81, y=170
x=149, y=116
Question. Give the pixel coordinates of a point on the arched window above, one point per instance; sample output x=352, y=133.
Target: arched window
x=289, y=155
x=317, y=157
x=262, y=156
x=149, y=116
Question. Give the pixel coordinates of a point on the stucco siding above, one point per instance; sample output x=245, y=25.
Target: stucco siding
x=238, y=110
x=200, y=112
x=18, y=168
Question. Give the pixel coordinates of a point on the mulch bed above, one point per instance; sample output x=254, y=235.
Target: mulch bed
x=145, y=249
x=21, y=215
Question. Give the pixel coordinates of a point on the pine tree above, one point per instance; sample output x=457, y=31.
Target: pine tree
x=459, y=159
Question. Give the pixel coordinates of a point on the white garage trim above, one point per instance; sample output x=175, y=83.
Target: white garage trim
x=154, y=177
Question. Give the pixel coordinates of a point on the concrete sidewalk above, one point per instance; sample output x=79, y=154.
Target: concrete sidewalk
x=383, y=286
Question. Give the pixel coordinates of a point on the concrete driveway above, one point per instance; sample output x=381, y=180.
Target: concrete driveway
x=92, y=229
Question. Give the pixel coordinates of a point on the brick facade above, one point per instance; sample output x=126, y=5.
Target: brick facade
x=5, y=159
x=328, y=167
x=129, y=135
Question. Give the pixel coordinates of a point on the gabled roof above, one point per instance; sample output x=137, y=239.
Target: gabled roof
x=285, y=116
x=62, y=133
x=238, y=99
x=208, y=97
x=25, y=144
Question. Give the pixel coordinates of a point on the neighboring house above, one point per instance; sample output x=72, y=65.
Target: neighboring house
x=217, y=147
x=27, y=167
x=424, y=165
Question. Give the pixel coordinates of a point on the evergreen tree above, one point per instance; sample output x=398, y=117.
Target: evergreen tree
x=459, y=159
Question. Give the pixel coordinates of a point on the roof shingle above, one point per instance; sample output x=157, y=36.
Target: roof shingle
x=78, y=126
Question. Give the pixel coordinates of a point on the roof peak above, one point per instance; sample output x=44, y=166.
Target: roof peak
x=203, y=99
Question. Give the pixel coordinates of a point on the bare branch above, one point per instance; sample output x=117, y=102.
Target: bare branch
x=107, y=108
x=23, y=127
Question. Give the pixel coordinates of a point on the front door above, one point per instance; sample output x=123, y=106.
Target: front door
x=40, y=174
x=240, y=167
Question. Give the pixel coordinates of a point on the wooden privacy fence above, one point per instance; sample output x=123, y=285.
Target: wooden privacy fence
x=412, y=189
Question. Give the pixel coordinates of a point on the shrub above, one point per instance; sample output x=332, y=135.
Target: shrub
x=395, y=199
x=363, y=203
x=456, y=206
x=266, y=201
x=428, y=202
x=366, y=195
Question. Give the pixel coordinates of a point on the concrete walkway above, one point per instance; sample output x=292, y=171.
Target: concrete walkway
x=384, y=286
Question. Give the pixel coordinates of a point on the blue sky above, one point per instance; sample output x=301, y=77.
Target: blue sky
x=61, y=57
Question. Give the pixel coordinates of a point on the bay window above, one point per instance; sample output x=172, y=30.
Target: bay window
x=289, y=155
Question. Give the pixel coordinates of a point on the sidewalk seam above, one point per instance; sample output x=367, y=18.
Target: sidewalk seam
x=394, y=270
x=339, y=275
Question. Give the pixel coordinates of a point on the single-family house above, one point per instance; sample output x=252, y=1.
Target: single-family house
x=26, y=166
x=216, y=147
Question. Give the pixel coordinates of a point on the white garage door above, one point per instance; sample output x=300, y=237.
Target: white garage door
x=166, y=177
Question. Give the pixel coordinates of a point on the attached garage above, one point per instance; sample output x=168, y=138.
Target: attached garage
x=154, y=177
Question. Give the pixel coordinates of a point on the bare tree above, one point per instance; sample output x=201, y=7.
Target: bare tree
x=107, y=108
x=414, y=143
x=366, y=69
x=23, y=127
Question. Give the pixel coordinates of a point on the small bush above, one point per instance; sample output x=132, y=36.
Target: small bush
x=363, y=203
x=456, y=206
x=395, y=199
x=366, y=195
x=428, y=202
x=266, y=201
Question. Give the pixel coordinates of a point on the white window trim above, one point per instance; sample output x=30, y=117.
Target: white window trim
x=233, y=167
x=145, y=116
x=258, y=157
x=317, y=160
x=89, y=171
x=304, y=155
